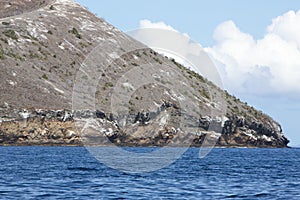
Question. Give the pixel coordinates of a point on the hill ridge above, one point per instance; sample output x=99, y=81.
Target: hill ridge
x=41, y=55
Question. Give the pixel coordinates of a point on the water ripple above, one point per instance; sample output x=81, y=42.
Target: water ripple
x=72, y=173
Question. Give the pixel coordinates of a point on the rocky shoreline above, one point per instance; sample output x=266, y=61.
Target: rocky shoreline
x=60, y=128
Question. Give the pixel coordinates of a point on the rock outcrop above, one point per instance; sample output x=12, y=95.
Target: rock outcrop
x=42, y=48
x=57, y=127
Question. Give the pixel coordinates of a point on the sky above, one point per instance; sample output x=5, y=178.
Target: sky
x=255, y=45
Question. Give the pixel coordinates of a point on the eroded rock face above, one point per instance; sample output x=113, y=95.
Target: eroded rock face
x=238, y=131
x=58, y=127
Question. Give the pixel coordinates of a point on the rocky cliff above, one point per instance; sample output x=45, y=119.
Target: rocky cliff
x=42, y=48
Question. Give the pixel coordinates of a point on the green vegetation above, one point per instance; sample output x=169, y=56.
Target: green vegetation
x=52, y=7
x=98, y=93
x=75, y=32
x=50, y=32
x=204, y=93
x=73, y=64
x=2, y=56
x=4, y=40
x=229, y=102
x=138, y=54
x=29, y=37
x=237, y=100
x=11, y=34
x=109, y=84
x=227, y=95
x=153, y=52
x=5, y=23
x=11, y=54
x=43, y=52
x=157, y=60
x=196, y=75
x=33, y=55
x=131, y=106
x=178, y=65
x=45, y=77
x=82, y=45
x=236, y=109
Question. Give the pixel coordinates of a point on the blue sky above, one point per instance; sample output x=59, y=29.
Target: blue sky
x=198, y=18
x=210, y=22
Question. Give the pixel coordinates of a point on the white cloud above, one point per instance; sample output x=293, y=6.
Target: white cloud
x=268, y=65
x=287, y=26
x=158, y=25
x=170, y=42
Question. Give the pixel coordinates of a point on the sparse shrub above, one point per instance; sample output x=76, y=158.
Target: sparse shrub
x=73, y=64
x=2, y=57
x=204, y=93
x=31, y=37
x=75, y=32
x=153, y=52
x=5, y=23
x=43, y=52
x=14, y=55
x=50, y=32
x=229, y=102
x=52, y=7
x=4, y=40
x=98, y=93
x=45, y=77
x=109, y=84
x=11, y=34
x=236, y=109
x=82, y=45
x=157, y=60
x=34, y=55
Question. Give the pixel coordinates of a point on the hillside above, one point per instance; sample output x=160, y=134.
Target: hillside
x=43, y=49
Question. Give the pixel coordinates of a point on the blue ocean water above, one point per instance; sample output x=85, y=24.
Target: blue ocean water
x=72, y=173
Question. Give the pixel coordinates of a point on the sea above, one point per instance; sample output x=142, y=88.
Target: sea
x=74, y=173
